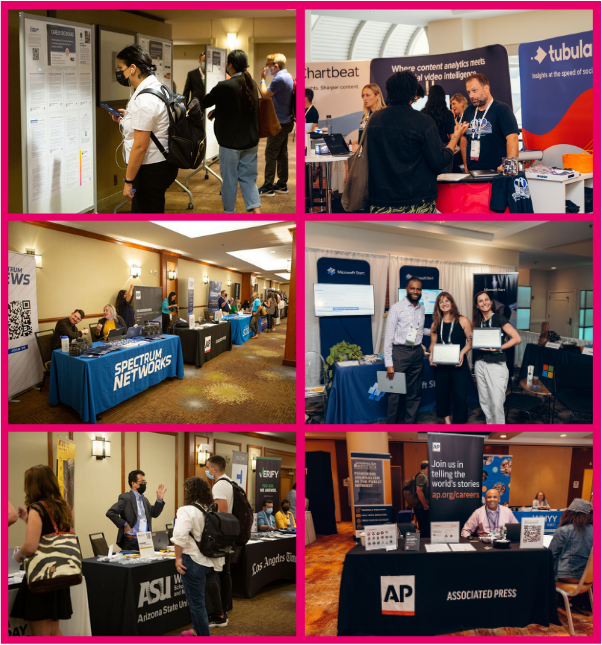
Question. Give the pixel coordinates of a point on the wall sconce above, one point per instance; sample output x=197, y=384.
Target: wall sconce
x=101, y=448
x=171, y=274
x=202, y=455
x=205, y=279
x=232, y=37
x=37, y=257
x=229, y=283
x=288, y=266
x=135, y=271
x=253, y=464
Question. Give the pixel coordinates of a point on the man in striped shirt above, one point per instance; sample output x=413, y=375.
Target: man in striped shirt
x=404, y=353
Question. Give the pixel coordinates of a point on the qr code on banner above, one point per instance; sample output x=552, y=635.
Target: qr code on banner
x=532, y=533
x=19, y=319
x=35, y=53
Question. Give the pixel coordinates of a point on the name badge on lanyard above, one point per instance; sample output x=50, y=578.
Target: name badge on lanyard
x=411, y=337
x=475, y=149
x=475, y=144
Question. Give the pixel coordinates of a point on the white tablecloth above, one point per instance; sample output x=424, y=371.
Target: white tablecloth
x=310, y=531
x=533, y=337
x=78, y=625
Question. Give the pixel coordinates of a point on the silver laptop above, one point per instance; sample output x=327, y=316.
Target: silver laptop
x=133, y=332
x=395, y=386
x=116, y=334
x=160, y=540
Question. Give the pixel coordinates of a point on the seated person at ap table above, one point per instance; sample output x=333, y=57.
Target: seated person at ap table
x=489, y=518
x=265, y=519
x=284, y=518
x=133, y=513
x=66, y=327
x=110, y=321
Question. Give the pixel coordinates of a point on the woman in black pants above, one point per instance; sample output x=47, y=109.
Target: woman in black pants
x=148, y=175
x=449, y=327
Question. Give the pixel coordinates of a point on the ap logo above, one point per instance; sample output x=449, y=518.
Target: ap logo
x=398, y=595
x=331, y=271
x=436, y=447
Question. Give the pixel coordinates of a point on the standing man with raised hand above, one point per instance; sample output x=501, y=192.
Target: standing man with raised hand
x=195, y=82
x=276, y=150
x=133, y=513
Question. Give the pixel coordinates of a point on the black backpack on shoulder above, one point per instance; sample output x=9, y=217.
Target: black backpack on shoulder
x=243, y=511
x=186, y=134
x=219, y=534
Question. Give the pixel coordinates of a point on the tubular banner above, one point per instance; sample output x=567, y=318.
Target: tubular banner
x=496, y=474
x=267, y=482
x=371, y=481
x=65, y=472
x=239, y=468
x=455, y=474
x=215, y=289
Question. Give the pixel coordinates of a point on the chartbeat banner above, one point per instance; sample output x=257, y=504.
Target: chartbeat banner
x=451, y=70
x=338, y=92
x=455, y=475
x=371, y=481
x=267, y=482
x=497, y=470
x=557, y=73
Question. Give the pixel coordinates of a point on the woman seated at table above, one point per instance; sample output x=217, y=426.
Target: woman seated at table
x=540, y=501
x=167, y=308
x=451, y=328
x=110, y=321
x=246, y=305
x=235, y=307
x=573, y=541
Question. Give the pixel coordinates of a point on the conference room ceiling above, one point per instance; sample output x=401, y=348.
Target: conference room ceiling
x=194, y=15
x=214, y=249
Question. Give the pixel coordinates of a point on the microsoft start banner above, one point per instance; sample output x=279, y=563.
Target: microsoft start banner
x=455, y=475
x=371, y=481
x=556, y=88
x=450, y=70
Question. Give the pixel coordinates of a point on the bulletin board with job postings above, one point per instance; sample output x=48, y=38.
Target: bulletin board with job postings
x=215, y=71
x=161, y=53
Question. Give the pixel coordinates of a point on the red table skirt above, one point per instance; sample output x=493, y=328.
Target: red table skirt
x=465, y=198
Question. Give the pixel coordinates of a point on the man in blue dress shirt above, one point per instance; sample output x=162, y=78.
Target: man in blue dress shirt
x=265, y=517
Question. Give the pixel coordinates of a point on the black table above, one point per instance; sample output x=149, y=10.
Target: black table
x=262, y=563
x=135, y=600
x=201, y=345
x=513, y=588
x=538, y=356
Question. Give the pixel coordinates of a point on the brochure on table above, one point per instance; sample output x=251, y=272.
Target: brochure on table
x=445, y=532
x=145, y=543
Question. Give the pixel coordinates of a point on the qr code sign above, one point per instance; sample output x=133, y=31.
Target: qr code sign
x=532, y=533
x=35, y=53
x=19, y=319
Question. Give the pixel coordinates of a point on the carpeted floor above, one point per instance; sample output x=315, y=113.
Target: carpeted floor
x=206, y=192
x=323, y=568
x=247, y=385
x=272, y=612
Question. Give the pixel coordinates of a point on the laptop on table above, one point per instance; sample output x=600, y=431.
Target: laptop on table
x=336, y=145
x=160, y=540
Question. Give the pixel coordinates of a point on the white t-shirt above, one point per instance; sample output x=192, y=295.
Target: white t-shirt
x=223, y=490
x=147, y=113
x=189, y=518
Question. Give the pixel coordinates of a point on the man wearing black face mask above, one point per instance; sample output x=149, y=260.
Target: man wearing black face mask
x=132, y=513
x=195, y=82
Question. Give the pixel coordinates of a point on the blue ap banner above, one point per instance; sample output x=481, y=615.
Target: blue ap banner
x=497, y=470
x=353, y=329
x=557, y=73
x=428, y=275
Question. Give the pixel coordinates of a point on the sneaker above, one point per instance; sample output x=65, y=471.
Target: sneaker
x=283, y=190
x=267, y=191
x=219, y=622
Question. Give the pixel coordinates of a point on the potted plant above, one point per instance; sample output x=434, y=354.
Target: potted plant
x=343, y=351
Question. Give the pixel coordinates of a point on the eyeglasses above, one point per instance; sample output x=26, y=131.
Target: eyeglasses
x=142, y=481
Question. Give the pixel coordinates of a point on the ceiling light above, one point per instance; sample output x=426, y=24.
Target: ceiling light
x=286, y=276
x=563, y=435
x=503, y=436
x=553, y=267
x=202, y=229
x=272, y=251
x=262, y=258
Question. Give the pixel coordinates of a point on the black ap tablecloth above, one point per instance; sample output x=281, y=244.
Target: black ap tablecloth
x=545, y=357
x=201, y=345
x=452, y=592
x=262, y=563
x=136, y=600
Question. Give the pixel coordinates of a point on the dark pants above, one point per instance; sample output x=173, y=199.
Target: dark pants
x=270, y=318
x=225, y=581
x=194, y=581
x=424, y=522
x=165, y=322
x=404, y=408
x=276, y=154
x=129, y=544
x=450, y=379
x=214, y=595
x=254, y=324
x=151, y=183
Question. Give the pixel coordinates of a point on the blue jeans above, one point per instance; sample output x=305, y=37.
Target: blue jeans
x=194, y=581
x=239, y=167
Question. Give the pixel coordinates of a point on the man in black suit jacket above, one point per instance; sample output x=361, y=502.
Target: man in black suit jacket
x=132, y=513
x=195, y=82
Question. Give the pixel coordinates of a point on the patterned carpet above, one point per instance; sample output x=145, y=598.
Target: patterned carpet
x=323, y=568
x=247, y=385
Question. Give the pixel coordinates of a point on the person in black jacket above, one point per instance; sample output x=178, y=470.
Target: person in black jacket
x=405, y=152
x=66, y=327
x=437, y=109
x=123, y=306
x=194, y=87
x=237, y=131
x=110, y=321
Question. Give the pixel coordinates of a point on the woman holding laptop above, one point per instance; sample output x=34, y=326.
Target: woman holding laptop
x=453, y=333
x=490, y=369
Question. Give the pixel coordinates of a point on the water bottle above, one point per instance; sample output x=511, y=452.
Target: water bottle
x=329, y=124
x=350, y=146
x=65, y=344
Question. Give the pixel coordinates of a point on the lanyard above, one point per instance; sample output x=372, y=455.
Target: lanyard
x=415, y=309
x=450, y=332
x=488, y=322
x=308, y=109
x=496, y=524
x=474, y=120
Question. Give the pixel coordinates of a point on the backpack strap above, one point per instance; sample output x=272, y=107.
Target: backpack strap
x=199, y=507
x=159, y=95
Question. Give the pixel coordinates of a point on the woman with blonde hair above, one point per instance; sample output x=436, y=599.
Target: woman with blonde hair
x=45, y=506
x=372, y=98
x=111, y=320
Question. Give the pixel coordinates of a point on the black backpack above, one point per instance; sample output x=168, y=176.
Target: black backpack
x=219, y=535
x=186, y=134
x=243, y=511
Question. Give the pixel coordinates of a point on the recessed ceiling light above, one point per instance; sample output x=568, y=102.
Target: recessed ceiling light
x=202, y=229
x=563, y=435
x=503, y=436
x=553, y=267
x=260, y=258
x=272, y=251
x=286, y=276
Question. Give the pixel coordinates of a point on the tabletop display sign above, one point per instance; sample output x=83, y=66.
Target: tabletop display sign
x=412, y=542
x=486, y=338
x=381, y=536
x=254, y=528
x=445, y=532
x=588, y=351
x=145, y=542
x=532, y=532
x=551, y=345
x=444, y=354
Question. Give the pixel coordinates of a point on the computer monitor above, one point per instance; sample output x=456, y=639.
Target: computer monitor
x=344, y=300
x=428, y=298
